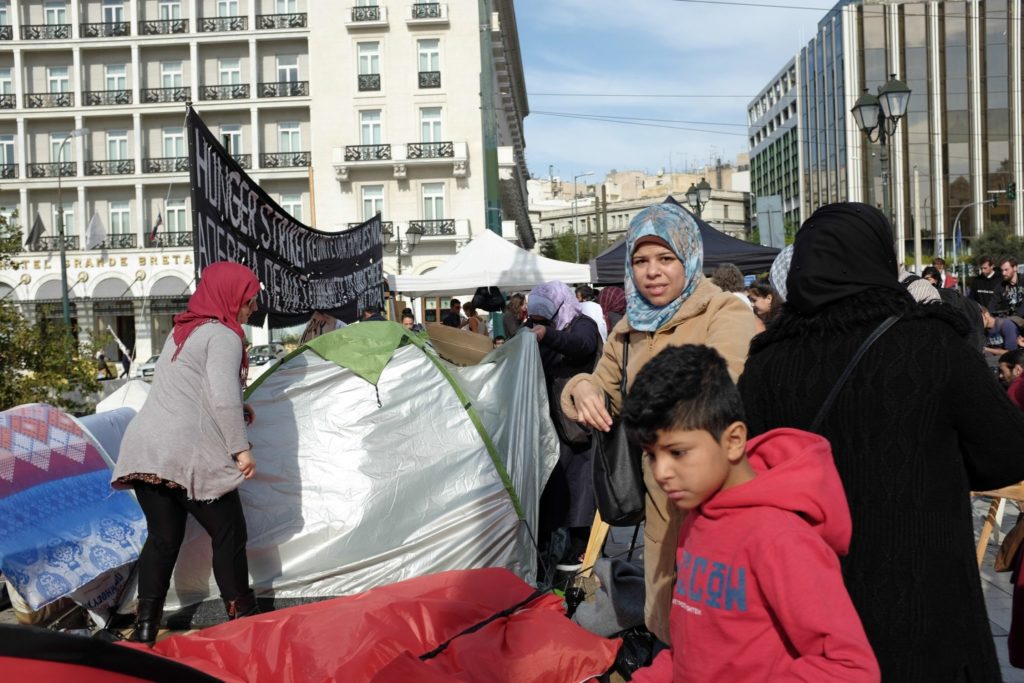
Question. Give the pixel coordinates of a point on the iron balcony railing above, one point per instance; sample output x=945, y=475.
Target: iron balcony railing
x=45, y=31
x=63, y=169
x=111, y=29
x=52, y=243
x=97, y=98
x=163, y=27
x=430, y=79
x=110, y=167
x=118, y=242
x=169, y=239
x=367, y=152
x=426, y=10
x=45, y=100
x=237, y=91
x=165, y=165
x=153, y=95
x=369, y=81
x=6, y=32
x=435, y=227
x=370, y=13
x=215, y=24
x=272, y=21
x=385, y=226
x=284, y=159
x=430, y=150
x=284, y=89
x=8, y=171
x=244, y=160
x=8, y=101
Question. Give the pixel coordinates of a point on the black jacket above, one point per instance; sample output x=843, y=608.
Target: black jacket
x=986, y=290
x=920, y=423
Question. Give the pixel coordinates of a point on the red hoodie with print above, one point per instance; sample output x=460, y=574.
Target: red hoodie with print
x=759, y=595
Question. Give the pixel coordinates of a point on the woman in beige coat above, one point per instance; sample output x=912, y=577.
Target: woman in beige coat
x=669, y=302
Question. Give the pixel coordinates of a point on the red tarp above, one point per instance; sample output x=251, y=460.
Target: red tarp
x=379, y=635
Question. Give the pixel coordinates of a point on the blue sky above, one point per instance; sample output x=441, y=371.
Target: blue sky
x=583, y=48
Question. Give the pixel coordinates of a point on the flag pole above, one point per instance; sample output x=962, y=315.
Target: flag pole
x=312, y=199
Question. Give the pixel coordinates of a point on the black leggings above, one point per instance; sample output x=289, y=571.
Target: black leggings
x=166, y=511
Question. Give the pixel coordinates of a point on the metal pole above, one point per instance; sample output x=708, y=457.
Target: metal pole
x=575, y=228
x=918, y=227
x=886, y=185
x=65, y=304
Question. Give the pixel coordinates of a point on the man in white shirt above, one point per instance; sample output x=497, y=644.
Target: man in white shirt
x=588, y=304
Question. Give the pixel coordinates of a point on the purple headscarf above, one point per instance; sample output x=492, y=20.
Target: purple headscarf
x=554, y=301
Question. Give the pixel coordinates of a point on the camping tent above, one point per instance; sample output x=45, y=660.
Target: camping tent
x=489, y=261
x=376, y=461
x=608, y=267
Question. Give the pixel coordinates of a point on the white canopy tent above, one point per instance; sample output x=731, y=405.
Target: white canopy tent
x=489, y=261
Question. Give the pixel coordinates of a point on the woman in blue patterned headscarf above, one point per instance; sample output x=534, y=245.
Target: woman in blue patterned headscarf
x=669, y=302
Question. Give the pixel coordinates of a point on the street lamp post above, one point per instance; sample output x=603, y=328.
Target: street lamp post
x=698, y=196
x=412, y=238
x=575, y=226
x=65, y=303
x=878, y=117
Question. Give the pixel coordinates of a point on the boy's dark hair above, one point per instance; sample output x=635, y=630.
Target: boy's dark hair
x=586, y=293
x=1012, y=358
x=683, y=387
x=932, y=271
x=985, y=258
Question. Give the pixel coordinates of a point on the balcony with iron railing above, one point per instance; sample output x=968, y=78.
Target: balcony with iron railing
x=165, y=165
x=52, y=243
x=369, y=82
x=430, y=79
x=63, y=169
x=400, y=156
x=157, y=95
x=218, y=24
x=8, y=171
x=244, y=160
x=384, y=225
x=8, y=101
x=108, y=29
x=47, y=100
x=110, y=167
x=434, y=227
x=236, y=91
x=428, y=13
x=371, y=16
x=283, y=89
x=284, y=159
x=265, y=22
x=6, y=32
x=163, y=27
x=45, y=31
x=99, y=98
x=125, y=241
x=169, y=239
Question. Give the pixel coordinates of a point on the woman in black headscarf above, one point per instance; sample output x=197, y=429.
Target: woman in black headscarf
x=908, y=462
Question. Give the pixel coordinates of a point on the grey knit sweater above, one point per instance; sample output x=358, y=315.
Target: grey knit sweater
x=192, y=422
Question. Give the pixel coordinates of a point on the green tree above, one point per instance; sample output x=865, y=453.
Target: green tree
x=562, y=247
x=42, y=362
x=998, y=241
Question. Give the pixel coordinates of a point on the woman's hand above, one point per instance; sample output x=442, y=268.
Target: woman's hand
x=245, y=463
x=248, y=413
x=539, y=331
x=589, y=402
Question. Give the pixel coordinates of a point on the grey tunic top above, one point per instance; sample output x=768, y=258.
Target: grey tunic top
x=192, y=422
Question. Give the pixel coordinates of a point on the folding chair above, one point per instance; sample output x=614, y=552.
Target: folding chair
x=994, y=516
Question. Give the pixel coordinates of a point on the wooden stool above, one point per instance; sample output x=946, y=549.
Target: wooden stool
x=998, y=496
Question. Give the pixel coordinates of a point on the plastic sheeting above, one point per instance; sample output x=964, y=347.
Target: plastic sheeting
x=360, y=485
x=380, y=635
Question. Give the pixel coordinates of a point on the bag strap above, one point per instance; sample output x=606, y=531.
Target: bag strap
x=625, y=361
x=886, y=324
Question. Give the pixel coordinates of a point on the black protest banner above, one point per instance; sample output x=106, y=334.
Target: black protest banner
x=303, y=270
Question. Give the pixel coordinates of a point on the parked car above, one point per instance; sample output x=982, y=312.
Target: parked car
x=145, y=370
x=264, y=353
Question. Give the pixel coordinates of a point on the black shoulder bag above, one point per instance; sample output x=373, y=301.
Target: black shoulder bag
x=820, y=417
x=618, y=475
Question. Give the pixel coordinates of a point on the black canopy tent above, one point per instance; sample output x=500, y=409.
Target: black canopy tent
x=608, y=267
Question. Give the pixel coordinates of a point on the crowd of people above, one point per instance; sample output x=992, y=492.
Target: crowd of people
x=807, y=487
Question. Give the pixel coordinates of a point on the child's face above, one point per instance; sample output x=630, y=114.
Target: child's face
x=691, y=465
x=762, y=304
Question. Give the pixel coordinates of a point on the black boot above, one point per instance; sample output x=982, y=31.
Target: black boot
x=242, y=606
x=151, y=611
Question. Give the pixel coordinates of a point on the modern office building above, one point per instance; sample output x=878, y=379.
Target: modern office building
x=339, y=110
x=959, y=144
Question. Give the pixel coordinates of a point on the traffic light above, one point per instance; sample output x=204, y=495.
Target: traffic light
x=1011, y=191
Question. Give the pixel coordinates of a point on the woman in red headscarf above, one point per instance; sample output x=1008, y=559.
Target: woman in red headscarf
x=186, y=451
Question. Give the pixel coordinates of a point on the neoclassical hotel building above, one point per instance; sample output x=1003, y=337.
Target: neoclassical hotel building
x=340, y=109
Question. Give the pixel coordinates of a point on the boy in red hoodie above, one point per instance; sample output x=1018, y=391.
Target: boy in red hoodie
x=759, y=594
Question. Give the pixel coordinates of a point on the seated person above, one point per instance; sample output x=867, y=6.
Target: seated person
x=1002, y=333
x=1011, y=371
x=766, y=522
